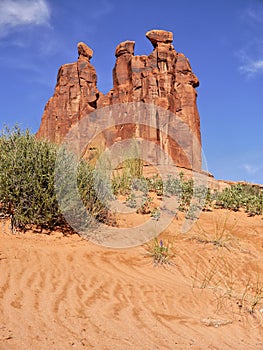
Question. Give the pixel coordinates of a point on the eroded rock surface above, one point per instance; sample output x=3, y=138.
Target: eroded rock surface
x=164, y=78
x=75, y=95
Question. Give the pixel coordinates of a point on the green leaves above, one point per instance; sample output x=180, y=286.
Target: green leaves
x=27, y=182
x=27, y=179
x=160, y=252
x=245, y=196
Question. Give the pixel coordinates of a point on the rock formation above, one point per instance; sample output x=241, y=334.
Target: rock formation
x=164, y=78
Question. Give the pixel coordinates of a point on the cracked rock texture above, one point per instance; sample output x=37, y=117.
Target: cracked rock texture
x=164, y=79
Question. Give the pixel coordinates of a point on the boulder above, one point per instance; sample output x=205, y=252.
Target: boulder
x=84, y=51
x=159, y=36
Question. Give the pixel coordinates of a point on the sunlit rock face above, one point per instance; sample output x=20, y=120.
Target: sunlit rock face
x=163, y=79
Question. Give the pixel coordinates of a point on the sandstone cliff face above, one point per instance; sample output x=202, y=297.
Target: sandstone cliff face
x=75, y=95
x=164, y=78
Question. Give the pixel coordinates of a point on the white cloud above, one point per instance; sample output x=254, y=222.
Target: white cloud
x=252, y=67
x=17, y=13
x=251, y=54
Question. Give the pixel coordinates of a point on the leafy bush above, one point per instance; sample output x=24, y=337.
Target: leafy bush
x=245, y=196
x=131, y=200
x=187, y=194
x=173, y=186
x=27, y=191
x=155, y=184
x=140, y=184
x=27, y=179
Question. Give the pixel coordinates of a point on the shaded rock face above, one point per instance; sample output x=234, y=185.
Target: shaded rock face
x=164, y=78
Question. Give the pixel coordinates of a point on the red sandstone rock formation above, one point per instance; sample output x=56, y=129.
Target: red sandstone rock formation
x=76, y=94
x=164, y=78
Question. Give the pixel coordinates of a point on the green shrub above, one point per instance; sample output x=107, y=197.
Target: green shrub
x=140, y=184
x=245, y=196
x=27, y=191
x=155, y=184
x=173, y=186
x=131, y=200
x=27, y=179
x=187, y=188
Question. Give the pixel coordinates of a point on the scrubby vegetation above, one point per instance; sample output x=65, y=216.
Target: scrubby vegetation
x=27, y=192
x=28, y=196
x=238, y=196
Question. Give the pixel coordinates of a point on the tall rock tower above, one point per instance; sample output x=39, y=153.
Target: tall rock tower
x=164, y=78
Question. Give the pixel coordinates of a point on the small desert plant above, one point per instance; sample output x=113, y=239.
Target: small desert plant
x=126, y=176
x=243, y=301
x=155, y=184
x=204, y=279
x=254, y=205
x=173, y=186
x=220, y=235
x=229, y=291
x=252, y=296
x=155, y=214
x=160, y=252
x=94, y=191
x=131, y=200
x=129, y=170
x=187, y=194
x=134, y=166
x=140, y=184
x=121, y=184
x=192, y=212
x=145, y=207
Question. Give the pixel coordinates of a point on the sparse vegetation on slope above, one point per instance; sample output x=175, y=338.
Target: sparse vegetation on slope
x=27, y=191
x=238, y=196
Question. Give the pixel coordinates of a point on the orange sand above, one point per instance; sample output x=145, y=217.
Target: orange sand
x=64, y=293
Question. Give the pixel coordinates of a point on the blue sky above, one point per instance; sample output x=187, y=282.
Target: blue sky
x=222, y=39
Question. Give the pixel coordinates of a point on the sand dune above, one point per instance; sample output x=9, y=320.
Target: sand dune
x=61, y=292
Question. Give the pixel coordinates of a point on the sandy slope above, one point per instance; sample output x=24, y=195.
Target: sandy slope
x=66, y=293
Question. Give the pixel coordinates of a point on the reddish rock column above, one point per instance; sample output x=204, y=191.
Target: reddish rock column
x=164, y=78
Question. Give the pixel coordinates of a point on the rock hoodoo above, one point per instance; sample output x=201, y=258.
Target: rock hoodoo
x=164, y=78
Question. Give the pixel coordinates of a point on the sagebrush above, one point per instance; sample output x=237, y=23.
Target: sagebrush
x=27, y=192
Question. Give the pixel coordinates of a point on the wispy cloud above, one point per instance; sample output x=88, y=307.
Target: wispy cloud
x=18, y=13
x=251, y=169
x=251, y=68
x=251, y=54
x=254, y=15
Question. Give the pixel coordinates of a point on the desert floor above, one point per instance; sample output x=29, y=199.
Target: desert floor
x=64, y=292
